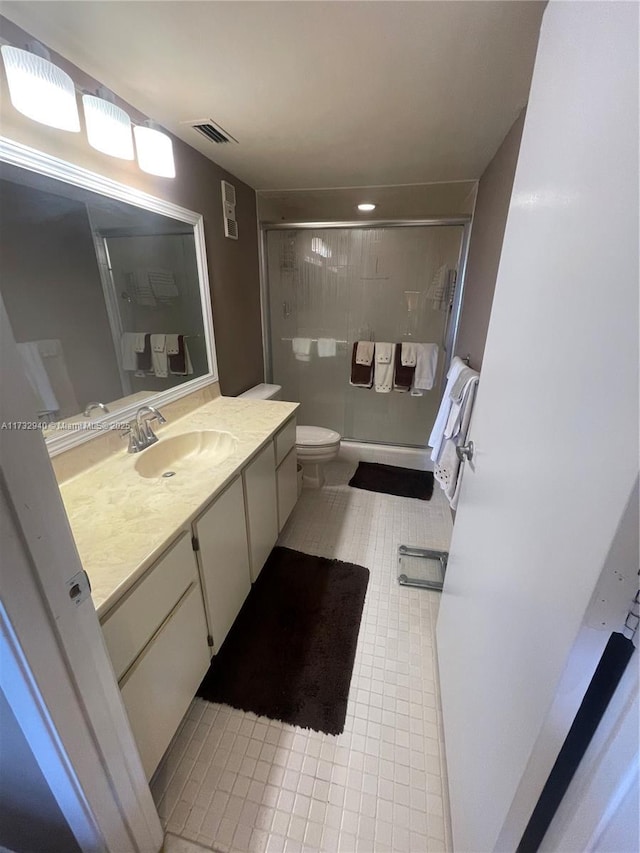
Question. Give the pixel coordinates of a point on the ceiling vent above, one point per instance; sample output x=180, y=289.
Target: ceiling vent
x=229, y=210
x=212, y=131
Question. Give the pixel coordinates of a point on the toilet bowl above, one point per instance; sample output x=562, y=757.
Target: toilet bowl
x=315, y=446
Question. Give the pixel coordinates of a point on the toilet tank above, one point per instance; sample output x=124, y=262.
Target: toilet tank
x=263, y=391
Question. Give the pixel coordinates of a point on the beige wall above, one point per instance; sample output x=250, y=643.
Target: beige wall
x=489, y=221
x=418, y=201
x=233, y=264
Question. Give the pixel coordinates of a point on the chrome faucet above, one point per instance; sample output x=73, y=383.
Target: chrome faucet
x=139, y=431
x=95, y=405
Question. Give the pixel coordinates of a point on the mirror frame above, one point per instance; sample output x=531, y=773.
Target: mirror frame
x=33, y=160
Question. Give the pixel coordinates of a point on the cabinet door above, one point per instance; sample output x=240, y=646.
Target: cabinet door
x=261, y=501
x=224, y=560
x=287, y=487
x=160, y=685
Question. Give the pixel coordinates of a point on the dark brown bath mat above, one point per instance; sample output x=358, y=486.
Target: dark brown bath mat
x=289, y=655
x=391, y=480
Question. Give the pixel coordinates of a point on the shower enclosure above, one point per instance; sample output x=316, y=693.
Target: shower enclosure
x=331, y=286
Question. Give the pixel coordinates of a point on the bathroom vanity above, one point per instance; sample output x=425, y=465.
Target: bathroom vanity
x=171, y=558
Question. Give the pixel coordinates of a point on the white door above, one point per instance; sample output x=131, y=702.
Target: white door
x=54, y=668
x=555, y=429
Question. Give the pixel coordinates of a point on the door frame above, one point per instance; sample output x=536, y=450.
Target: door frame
x=453, y=322
x=58, y=644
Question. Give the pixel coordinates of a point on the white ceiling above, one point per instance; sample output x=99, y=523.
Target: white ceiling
x=319, y=94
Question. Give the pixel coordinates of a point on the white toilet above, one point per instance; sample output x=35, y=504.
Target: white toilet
x=315, y=446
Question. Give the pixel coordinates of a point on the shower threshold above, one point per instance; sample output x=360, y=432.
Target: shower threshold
x=422, y=567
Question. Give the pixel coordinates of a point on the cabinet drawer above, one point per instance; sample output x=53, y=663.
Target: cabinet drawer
x=160, y=686
x=134, y=620
x=287, y=479
x=285, y=439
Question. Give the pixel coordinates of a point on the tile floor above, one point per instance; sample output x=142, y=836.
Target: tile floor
x=234, y=782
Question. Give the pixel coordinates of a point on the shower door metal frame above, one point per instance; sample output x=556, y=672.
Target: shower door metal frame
x=453, y=322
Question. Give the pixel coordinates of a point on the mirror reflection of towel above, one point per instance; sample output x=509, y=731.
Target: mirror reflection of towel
x=38, y=378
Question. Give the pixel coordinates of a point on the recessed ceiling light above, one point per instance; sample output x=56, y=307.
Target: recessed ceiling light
x=366, y=206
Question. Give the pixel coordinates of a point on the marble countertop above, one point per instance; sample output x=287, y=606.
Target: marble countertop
x=122, y=522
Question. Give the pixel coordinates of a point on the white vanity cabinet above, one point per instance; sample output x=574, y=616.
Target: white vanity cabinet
x=220, y=539
x=286, y=471
x=261, y=497
x=156, y=636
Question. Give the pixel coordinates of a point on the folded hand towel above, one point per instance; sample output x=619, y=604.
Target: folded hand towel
x=326, y=347
x=457, y=411
x=128, y=351
x=159, y=362
x=46, y=402
x=364, y=354
x=158, y=343
x=383, y=373
x=426, y=367
x=172, y=344
x=458, y=386
x=437, y=433
x=409, y=354
x=49, y=348
x=301, y=348
x=139, y=341
x=384, y=353
x=361, y=374
x=144, y=357
x=180, y=362
x=448, y=470
x=402, y=376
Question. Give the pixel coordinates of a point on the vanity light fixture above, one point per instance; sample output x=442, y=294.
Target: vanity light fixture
x=155, y=151
x=39, y=89
x=366, y=206
x=108, y=127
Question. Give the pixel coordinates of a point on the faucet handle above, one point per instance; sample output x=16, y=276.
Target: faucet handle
x=132, y=432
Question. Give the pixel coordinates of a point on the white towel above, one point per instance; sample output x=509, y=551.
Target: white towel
x=385, y=353
x=129, y=351
x=327, y=347
x=158, y=343
x=457, y=389
x=364, y=352
x=448, y=470
x=139, y=341
x=409, y=354
x=159, y=360
x=49, y=348
x=38, y=378
x=426, y=368
x=172, y=345
x=457, y=411
x=301, y=348
x=384, y=368
x=437, y=433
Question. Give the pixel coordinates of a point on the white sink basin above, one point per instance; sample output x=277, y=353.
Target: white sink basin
x=187, y=453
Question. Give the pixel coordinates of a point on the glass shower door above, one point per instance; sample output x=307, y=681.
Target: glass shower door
x=331, y=287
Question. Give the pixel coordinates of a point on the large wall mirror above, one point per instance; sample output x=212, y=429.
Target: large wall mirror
x=106, y=290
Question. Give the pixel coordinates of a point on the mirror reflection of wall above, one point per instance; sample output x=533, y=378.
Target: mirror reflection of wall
x=103, y=297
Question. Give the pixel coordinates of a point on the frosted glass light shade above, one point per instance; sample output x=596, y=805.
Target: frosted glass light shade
x=155, y=152
x=108, y=127
x=40, y=90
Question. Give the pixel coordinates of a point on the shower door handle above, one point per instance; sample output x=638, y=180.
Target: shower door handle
x=465, y=451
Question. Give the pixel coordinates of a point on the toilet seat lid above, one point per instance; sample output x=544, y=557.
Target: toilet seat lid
x=312, y=436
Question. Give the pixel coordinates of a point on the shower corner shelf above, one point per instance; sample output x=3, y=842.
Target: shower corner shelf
x=423, y=568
